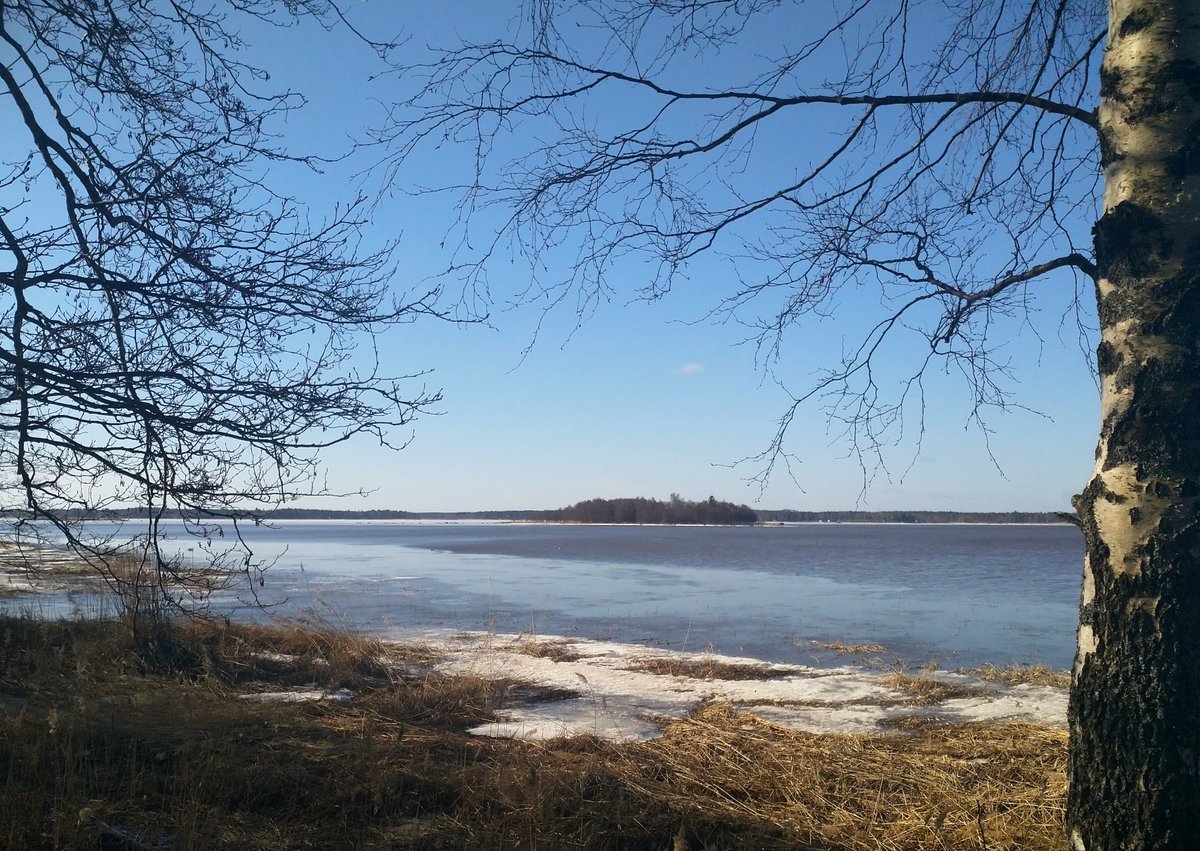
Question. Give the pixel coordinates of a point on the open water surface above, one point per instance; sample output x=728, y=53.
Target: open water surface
x=960, y=595
x=956, y=594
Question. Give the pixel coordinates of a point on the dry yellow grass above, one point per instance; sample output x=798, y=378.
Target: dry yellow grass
x=707, y=668
x=555, y=651
x=92, y=740
x=925, y=689
x=843, y=649
x=952, y=787
x=1011, y=675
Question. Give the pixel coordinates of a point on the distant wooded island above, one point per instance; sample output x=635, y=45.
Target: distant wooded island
x=639, y=510
x=649, y=511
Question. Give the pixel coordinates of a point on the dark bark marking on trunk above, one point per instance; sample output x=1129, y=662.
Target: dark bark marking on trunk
x=1110, y=83
x=1145, y=622
x=1160, y=90
x=1187, y=161
x=1184, y=73
x=1108, y=359
x=1130, y=242
x=1156, y=92
x=1158, y=434
x=1135, y=21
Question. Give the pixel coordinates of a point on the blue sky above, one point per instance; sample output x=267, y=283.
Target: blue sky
x=648, y=398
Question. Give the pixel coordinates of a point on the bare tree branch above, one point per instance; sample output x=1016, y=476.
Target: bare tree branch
x=951, y=170
x=174, y=333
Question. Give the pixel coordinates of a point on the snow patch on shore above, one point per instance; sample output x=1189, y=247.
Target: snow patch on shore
x=304, y=695
x=623, y=694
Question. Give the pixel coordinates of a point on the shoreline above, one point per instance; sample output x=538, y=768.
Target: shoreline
x=624, y=691
x=452, y=518
x=221, y=735
x=627, y=692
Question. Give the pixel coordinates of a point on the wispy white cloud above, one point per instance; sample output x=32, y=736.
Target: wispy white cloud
x=690, y=369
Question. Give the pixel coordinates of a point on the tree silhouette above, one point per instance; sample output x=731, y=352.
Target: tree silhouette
x=175, y=333
x=960, y=158
x=651, y=511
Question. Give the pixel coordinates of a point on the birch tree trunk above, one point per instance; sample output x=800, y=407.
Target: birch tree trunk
x=1135, y=706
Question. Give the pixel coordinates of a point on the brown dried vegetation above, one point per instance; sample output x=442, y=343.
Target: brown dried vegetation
x=1013, y=675
x=843, y=649
x=925, y=689
x=708, y=668
x=99, y=748
x=555, y=651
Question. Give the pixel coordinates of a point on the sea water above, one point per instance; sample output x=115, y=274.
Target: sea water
x=958, y=595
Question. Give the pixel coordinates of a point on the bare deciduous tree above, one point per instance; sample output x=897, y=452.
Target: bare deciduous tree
x=959, y=157
x=175, y=334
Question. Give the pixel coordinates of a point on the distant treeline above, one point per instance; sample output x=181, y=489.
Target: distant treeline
x=792, y=516
x=327, y=514
x=317, y=514
x=637, y=510
x=641, y=510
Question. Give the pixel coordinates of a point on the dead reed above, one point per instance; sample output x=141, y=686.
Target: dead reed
x=707, y=668
x=555, y=651
x=952, y=786
x=1012, y=675
x=98, y=749
x=843, y=649
x=926, y=689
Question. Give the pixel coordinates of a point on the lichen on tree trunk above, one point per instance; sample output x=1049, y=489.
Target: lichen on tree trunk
x=1135, y=705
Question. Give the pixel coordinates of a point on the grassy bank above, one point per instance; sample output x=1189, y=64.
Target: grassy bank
x=99, y=749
